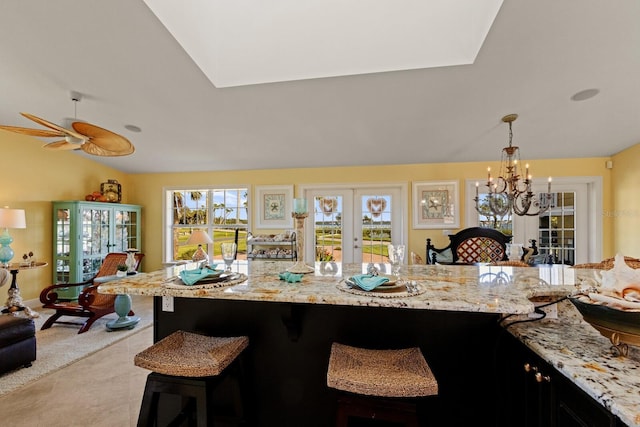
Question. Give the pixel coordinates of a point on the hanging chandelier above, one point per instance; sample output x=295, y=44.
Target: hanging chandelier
x=510, y=193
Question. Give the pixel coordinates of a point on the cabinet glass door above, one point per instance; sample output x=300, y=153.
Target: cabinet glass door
x=125, y=235
x=94, y=239
x=63, y=245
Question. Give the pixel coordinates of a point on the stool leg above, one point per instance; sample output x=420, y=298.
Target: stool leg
x=202, y=400
x=367, y=407
x=240, y=388
x=196, y=394
x=342, y=419
x=149, y=406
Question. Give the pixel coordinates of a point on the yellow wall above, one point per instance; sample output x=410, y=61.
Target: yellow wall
x=625, y=214
x=148, y=189
x=35, y=177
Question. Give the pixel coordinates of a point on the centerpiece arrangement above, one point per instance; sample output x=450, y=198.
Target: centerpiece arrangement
x=613, y=305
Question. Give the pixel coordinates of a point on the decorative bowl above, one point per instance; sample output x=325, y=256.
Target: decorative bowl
x=620, y=326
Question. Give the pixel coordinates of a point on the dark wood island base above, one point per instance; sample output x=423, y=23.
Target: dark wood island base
x=289, y=346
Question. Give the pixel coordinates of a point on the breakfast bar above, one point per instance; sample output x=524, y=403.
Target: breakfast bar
x=455, y=315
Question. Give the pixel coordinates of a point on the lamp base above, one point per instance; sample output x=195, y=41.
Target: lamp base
x=300, y=268
x=14, y=302
x=200, y=255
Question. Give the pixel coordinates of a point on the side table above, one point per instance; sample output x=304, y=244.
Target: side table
x=14, y=302
x=122, y=306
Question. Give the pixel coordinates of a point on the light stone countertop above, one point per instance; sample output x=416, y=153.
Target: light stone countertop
x=451, y=288
x=580, y=353
x=571, y=345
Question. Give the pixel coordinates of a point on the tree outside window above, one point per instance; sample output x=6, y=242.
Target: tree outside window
x=486, y=218
x=222, y=213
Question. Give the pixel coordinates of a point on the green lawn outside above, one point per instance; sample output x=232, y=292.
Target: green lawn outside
x=376, y=247
x=219, y=236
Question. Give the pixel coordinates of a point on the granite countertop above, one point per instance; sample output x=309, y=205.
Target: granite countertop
x=571, y=345
x=451, y=288
x=580, y=353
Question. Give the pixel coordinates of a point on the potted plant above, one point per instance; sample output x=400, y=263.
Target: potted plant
x=122, y=270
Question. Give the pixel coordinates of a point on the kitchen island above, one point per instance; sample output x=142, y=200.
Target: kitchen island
x=454, y=318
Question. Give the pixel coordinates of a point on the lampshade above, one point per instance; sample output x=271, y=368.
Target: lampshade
x=12, y=218
x=199, y=237
x=9, y=218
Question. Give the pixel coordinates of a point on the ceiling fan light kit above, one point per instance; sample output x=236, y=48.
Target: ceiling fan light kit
x=84, y=136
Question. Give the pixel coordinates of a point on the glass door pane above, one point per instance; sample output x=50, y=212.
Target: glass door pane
x=126, y=224
x=557, y=230
x=354, y=225
x=63, y=245
x=375, y=224
x=95, y=239
x=328, y=227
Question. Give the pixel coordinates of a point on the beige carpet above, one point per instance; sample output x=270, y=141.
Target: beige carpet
x=61, y=345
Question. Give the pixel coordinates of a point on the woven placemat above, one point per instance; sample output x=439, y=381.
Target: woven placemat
x=178, y=284
x=397, y=294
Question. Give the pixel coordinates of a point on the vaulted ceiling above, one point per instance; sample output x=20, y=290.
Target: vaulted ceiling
x=131, y=70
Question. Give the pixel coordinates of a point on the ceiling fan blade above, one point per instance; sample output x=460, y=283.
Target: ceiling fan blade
x=103, y=142
x=61, y=145
x=33, y=132
x=53, y=126
x=96, y=150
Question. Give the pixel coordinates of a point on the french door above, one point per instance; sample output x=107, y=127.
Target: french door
x=354, y=224
x=570, y=232
x=561, y=232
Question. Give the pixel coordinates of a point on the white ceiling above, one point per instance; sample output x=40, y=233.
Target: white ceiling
x=130, y=70
x=247, y=42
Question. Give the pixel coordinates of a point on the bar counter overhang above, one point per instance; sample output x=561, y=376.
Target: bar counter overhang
x=454, y=320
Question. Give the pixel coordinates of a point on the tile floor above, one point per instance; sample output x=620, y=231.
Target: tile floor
x=102, y=390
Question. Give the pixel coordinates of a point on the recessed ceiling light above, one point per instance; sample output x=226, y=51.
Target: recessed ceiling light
x=133, y=128
x=585, y=94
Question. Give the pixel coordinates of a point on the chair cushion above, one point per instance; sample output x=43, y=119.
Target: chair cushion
x=14, y=329
x=444, y=256
x=480, y=249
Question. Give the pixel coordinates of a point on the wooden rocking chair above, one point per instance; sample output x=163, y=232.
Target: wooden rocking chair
x=90, y=303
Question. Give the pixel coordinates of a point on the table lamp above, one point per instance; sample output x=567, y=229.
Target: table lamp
x=199, y=237
x=9, y=218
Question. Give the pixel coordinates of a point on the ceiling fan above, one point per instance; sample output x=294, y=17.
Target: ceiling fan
x=89, y=138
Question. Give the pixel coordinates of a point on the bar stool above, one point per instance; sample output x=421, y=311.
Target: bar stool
x=380, y=384
x=189, y=365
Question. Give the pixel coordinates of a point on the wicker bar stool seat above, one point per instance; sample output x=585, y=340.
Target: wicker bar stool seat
x=189, y=365
x=380, y=384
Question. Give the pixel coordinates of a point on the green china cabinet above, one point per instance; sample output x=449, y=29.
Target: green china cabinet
x=84, y=233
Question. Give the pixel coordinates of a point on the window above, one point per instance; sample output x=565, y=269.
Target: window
x=488, y=219
x=221, y=212
x=569, y=233
x=556, y=230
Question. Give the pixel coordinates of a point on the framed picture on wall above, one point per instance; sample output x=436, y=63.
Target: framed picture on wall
x=436, y=204
x=274, y=206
